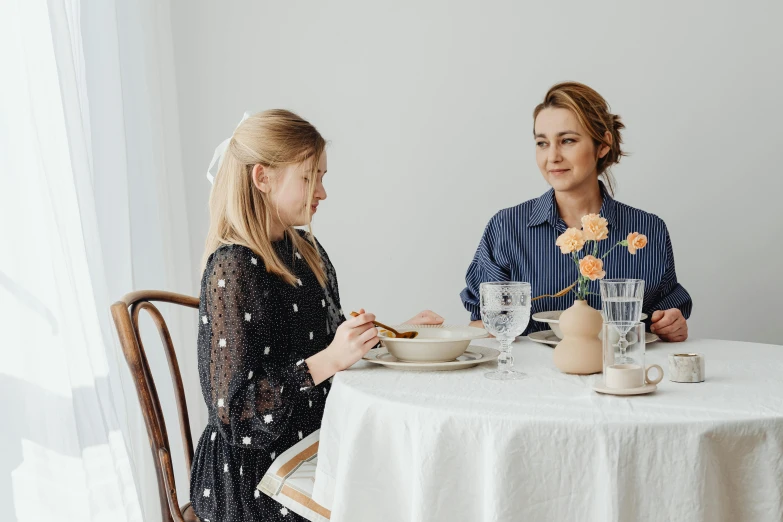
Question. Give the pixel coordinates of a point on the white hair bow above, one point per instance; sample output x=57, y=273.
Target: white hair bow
x=217, y=158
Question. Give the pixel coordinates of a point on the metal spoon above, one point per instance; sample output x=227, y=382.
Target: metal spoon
x=395, y=333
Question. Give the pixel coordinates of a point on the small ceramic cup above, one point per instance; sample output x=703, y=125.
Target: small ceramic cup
x=625, y=376
x=686, y=367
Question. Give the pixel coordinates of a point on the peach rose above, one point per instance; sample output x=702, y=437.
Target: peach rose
x=636, y=241
x=572, y=240
x=594, y=227
x=592, y=268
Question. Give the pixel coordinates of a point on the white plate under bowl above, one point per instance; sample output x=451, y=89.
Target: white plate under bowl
x=549, y=337
x=544, y=337
x=473, y=356
x=552, y=318
x=433, y=344
x=647, y=388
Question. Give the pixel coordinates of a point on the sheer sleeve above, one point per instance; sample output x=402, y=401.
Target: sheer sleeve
x=331, y=295
x=253, y=385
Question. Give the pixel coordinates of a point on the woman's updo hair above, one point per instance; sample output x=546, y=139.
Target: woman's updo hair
x=592, y=111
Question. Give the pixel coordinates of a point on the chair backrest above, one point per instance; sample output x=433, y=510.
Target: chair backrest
x=126, y=318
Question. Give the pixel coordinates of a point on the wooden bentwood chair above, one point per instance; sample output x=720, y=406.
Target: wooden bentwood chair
x=126, y=318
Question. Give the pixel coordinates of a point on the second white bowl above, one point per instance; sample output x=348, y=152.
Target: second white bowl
x=553, y=319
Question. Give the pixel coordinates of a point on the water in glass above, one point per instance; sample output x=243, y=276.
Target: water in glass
x=623, y=312
x=622, y=306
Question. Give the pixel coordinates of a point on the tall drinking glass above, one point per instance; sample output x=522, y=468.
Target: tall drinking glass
x=505, y=312
x=622, y=307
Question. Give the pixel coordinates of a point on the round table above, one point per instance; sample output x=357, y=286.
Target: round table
x=452, y=446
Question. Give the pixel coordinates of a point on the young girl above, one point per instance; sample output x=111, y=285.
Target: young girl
x=577, y=140
x=271, y=330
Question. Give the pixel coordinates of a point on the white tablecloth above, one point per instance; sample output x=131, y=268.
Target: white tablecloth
x=454, y=446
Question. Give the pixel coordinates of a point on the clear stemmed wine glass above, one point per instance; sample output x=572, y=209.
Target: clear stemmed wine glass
x=505, y=312
x=622, y=306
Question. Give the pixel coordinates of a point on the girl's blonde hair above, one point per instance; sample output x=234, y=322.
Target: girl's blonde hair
x=592, y=111
x=239, y=213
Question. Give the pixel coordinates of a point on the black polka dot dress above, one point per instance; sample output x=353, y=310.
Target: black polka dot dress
x=255, y=331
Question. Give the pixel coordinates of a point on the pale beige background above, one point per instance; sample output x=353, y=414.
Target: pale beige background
x=428, y=109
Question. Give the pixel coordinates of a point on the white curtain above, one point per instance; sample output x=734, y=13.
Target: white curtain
x=91, y=207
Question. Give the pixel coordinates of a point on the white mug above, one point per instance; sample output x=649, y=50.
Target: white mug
x=625, y=376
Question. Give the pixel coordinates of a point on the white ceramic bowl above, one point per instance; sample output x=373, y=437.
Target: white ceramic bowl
x=553, y=319
x=433, y=344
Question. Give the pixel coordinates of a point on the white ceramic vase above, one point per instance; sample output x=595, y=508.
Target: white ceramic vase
x=581, y=351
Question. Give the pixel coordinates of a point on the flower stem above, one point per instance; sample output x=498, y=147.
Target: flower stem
x=615, y=246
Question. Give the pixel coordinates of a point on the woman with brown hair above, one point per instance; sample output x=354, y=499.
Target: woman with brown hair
x=577, y=140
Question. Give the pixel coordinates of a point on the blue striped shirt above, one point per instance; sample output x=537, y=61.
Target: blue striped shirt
x=519, y=245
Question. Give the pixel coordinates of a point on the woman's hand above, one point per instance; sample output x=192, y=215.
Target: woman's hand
x=352, y=340
x=425, y=317
x=669, y=325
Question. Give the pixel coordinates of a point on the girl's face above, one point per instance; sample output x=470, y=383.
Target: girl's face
x=289, y=190
x=565, y=152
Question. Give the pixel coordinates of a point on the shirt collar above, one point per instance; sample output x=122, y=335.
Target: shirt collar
x=545, y=210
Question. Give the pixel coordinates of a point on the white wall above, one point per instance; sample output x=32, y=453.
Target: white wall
x=428, y=109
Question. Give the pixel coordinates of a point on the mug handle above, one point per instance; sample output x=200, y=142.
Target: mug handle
x=647, y=374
